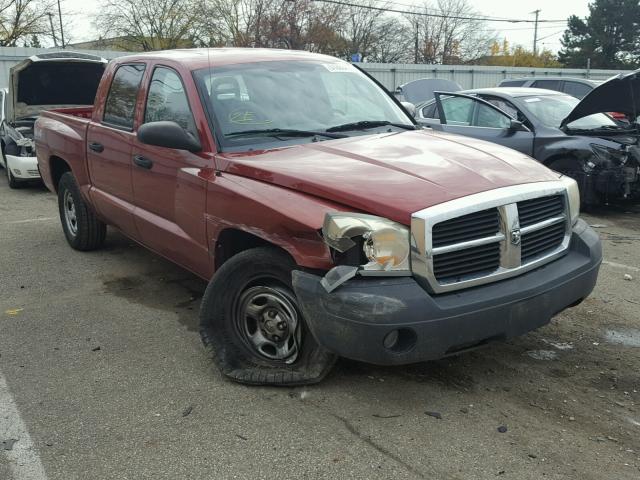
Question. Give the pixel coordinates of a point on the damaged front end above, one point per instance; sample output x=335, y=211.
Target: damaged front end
x=19, y=138
x=365, y=245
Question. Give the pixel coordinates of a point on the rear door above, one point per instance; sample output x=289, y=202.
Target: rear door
x=169, y=190
x=109, y=143
x=473, y=117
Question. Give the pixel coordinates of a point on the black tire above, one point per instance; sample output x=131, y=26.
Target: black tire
x=89, y=232
x=258, y=271
x=570, y=167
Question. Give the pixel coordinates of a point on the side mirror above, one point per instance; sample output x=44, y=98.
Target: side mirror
x=409, y=107
x=169, y=135
x=517, y=126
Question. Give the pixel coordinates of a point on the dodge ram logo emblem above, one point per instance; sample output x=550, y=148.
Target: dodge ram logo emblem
x=515, y=237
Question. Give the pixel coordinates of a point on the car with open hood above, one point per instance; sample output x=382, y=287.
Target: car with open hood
x=326, y=222
x=575, y=137
x=42, y=82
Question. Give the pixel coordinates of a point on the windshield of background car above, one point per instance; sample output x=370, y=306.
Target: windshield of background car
x=550, y=110
x=298, y=95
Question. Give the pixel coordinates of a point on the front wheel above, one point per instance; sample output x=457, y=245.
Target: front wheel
x=80, y=225
x=252, y=324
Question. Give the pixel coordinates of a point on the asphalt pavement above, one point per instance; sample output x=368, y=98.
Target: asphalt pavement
x=103, y=376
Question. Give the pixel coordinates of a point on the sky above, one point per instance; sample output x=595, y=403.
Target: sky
x=81, y=13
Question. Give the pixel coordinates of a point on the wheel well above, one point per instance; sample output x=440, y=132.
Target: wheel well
x=232, y=241
x=58, y=168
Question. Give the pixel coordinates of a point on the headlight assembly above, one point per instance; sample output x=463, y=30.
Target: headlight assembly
x=573, y=196
x=609, y=155
x=383, y=243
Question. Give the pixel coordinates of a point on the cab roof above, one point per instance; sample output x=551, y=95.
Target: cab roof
x=196, y=58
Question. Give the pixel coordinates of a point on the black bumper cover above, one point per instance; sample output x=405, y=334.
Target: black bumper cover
x=354, y=320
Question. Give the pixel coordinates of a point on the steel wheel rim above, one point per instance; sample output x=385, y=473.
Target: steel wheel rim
x=70, y=215
x=268, y=321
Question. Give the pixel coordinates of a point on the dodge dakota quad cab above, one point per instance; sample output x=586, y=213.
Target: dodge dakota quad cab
x=41, y=82
x=326, y=221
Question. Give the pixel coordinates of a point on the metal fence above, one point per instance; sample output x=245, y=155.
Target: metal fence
x=470, y=76
x=391, y=75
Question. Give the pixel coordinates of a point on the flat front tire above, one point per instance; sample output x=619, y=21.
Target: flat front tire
x=252, y=325
x=81, y=227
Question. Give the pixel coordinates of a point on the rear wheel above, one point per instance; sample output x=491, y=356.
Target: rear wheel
x=251, y=323
x=81, y=227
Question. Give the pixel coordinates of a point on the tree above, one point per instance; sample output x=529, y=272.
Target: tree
x=151, y=24
x=453, y=34
x=608, y=36
x=518, y=56
x=21, y=19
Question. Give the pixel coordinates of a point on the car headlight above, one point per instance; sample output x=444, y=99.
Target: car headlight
x=609, y=155
x=573, y=196
x=384, y=244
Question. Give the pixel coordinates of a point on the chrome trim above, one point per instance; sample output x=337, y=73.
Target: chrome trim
x=505, y=200
x=478, y=242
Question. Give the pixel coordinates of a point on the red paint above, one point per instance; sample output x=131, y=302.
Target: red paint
x=180, y=207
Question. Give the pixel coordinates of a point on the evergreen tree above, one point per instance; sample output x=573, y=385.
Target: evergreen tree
x=608, y=36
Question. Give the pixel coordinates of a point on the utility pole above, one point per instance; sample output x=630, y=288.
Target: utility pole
x=415, y=51
x=61, y=30
x=535, y=32
x=53, y=32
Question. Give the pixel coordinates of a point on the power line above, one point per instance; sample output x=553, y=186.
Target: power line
x=436, y=15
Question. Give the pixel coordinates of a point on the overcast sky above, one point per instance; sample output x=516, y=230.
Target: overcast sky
x=82, y=11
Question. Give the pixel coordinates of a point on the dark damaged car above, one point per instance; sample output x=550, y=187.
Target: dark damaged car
x=570, y=136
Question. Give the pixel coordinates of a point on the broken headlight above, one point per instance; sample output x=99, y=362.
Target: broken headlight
x=573, y=197
x=379, y=245
x=609, y=155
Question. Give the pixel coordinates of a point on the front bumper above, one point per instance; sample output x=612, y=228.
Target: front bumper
x=394, y=321
x=24, y=168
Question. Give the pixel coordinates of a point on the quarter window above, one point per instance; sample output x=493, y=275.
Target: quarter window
x=167, y=100
x=121, y=100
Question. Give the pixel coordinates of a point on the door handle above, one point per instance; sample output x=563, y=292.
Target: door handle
x=96, y=147
x=142, y=162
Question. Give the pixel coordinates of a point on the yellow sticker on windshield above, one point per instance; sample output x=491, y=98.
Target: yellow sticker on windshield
x=245, y=117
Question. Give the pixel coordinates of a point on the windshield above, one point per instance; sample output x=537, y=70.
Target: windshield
x=292, y=95
x=552, y=109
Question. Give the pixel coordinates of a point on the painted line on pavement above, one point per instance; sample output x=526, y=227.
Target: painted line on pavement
x=29, y=220
x=621, y=265
x=23, y=458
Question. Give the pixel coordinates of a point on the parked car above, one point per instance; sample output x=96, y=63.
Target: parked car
x=342, y=229
x=422, y=90
x=576, y=87
x=566, y=134
x=41, y=82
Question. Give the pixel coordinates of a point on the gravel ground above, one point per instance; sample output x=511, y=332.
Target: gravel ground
x=103, y=361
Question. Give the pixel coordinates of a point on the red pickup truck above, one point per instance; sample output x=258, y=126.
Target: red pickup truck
x=326, y=221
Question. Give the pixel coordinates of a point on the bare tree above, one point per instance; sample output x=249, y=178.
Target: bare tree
x=22, y=19
x=449, y=33
x=151, y=24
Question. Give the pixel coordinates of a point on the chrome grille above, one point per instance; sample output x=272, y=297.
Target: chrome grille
x=489, y=236
x=468, y=227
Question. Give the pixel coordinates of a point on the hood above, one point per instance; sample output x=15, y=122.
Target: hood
x=390, y=175
x=420, y=91
x=618, y=94
x=52, y=80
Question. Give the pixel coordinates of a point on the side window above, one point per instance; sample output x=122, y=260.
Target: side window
x=167, y=100
x=505, y=106
x=575, y=89
x=548, y=84
x=512, y=83
x=489, y=117
x=430, y=111
x=121, y=99
x=457, y=110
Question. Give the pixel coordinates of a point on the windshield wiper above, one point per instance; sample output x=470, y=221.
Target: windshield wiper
x=364, y=124
x=282, y=132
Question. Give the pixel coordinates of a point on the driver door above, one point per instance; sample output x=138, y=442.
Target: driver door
x=473, y=117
